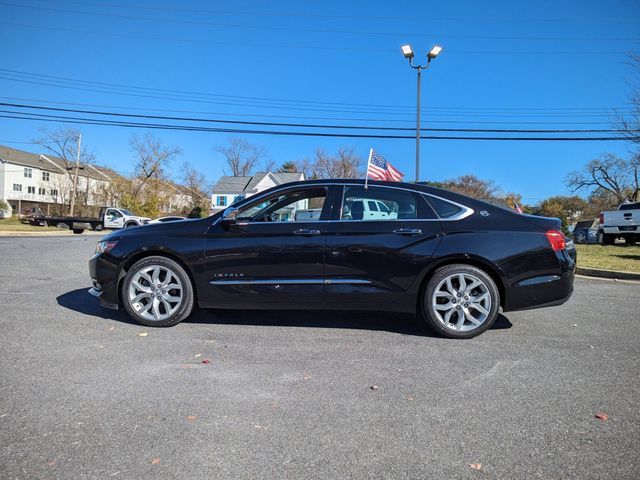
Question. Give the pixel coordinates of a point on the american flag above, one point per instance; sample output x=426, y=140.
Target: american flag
x=380, y=169
x=516, y=207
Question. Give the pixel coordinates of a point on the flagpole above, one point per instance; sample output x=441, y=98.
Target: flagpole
x=366, y=175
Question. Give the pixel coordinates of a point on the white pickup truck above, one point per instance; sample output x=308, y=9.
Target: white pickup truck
x=621, y=223
x=109, y=217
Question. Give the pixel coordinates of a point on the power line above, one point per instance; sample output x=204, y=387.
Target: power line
x=263, y=104
x=346, y=17
x=283, y=100
x=297, y=125
x=319, y=30
x=244, y=115
x=82, y=121
x=297, y=45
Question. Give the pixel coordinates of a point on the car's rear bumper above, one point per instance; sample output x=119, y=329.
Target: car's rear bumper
x=104, y=280
x=543, y=290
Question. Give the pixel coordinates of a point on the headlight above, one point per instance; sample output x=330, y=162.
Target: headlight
x=105, y=247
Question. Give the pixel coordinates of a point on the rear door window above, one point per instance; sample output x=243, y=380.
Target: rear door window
x=382, y=204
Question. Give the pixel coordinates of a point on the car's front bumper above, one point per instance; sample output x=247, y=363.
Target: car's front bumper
x=104, y=280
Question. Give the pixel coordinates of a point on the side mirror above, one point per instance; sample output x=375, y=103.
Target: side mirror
x=230, y=215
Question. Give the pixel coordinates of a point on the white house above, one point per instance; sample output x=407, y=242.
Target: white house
x=229, y=190
x=29, y=180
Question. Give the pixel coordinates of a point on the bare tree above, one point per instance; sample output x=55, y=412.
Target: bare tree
x=151, y=158
x=345, y=164
x=610, y=173
x=241, y=156
x=62, y=144
x=629, y=122
x=196, y=185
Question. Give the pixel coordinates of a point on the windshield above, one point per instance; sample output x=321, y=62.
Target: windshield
x=127, y=212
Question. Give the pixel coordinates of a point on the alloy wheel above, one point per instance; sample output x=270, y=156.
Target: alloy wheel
x=155, y=292
x=461, y=302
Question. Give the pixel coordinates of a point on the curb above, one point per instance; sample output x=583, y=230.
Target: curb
x=596, y=272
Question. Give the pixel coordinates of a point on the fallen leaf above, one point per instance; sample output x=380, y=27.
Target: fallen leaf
x=476, y=466
x=191, y=418
x=206, y=361
x=155, y=461
x=602, y=416
x=410, y=398
x=187, y=365
x=143, y=334
x=51, y=463
x=306, y=376
x=374, y=387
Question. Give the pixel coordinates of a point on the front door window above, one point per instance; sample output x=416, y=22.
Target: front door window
x=296, y=206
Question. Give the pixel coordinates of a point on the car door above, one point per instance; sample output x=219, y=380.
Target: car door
x=113, y=218
x=267, y=256
x=372, y=261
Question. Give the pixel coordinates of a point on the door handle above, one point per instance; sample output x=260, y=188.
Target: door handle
x=306, y=231
x=407, y=231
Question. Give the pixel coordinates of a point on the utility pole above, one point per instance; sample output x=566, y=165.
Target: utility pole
x=75, y=179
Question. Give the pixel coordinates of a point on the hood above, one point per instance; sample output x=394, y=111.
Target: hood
x=157, y=229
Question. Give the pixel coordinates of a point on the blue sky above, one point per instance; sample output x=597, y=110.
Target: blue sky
x=545, y=64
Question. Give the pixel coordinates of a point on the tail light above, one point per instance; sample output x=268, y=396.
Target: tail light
x=556, y=240
x=601, y=219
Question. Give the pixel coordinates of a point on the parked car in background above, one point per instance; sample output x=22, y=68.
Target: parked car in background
x=621, y=223
x=167, y=219
x=109, y=217
x=368, y=209
x=452, y=260
x=586, y=231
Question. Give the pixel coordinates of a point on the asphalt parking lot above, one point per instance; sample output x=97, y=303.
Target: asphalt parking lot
x=289, y=394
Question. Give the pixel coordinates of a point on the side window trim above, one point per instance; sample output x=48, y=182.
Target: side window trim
x=464, y=212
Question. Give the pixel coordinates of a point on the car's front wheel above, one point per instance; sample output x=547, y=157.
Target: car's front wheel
x=460, y=301
x=157, y=292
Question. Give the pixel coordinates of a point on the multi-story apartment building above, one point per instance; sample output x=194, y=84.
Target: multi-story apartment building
x=29, y=181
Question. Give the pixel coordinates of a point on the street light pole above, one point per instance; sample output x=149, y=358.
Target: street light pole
x=408, y=53
x=418, y=126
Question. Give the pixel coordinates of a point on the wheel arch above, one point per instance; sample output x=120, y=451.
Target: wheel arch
x=464, y=259
x=155, y=253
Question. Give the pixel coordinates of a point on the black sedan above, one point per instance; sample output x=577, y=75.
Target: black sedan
x=338, y=244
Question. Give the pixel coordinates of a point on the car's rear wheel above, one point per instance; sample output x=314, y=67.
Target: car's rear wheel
x=460, y=301
x=157, y=292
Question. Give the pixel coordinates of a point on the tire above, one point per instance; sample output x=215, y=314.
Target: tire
x=98, y=227
x=581, y=237
x=155, y=306
x=608, y=239
x=130, y=224
x=443, y=288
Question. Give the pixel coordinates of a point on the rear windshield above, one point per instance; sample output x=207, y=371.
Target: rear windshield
x=630, y=206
